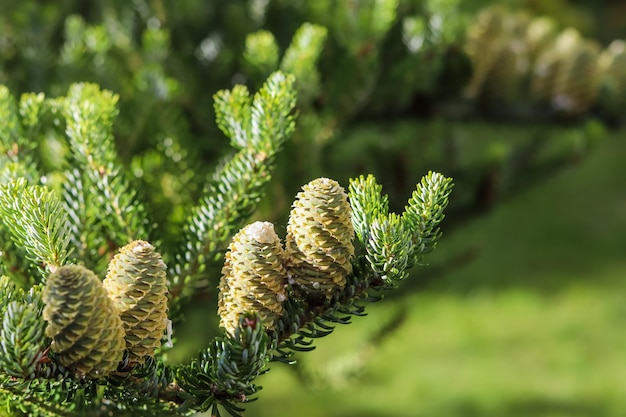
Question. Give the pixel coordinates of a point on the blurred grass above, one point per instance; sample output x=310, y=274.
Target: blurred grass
x=532, y=326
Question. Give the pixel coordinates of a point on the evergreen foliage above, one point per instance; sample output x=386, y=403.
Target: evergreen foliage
x=22, y=330
x=75, y=204
x=257, y=128
x=354, y=63
x=34, y=219
x=73, y=344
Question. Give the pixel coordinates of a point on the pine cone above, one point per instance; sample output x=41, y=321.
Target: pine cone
x=85, y=327
x=576, y=84
x=253, y=277
x=319, y=237
x=539, y=36
x=137, y=283
x=549, y=65
x=612, y=70
x=484, y=43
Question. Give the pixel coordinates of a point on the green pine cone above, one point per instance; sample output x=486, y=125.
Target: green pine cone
x=85, y=327
x=137, y=283
x=484, y=43
x=539, y=36
x=612, y=70
x=319, y=237
x=576, y=86
x=550, y=64
x=253, y=277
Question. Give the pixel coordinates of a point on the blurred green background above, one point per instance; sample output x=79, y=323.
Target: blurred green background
x=528, y=323
x=520, y=310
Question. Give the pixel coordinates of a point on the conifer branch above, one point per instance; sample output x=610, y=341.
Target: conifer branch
x=89, y=114
x=261, y=54
x=21, y=334
x=35, y=219
x=232, y=112
x=368, y=203
x=424, y=213
x=81, y=223
x=86, y=362
x=17, y=161
x=238, y=185
x=389, y=247
x=15, y=146
x=301, y=57
x=223, y=374
x=317, y=225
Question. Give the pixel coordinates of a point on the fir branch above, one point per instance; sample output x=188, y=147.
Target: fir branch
x=14, y=145
x=89, y=114
x=238, y=185
x=36, y=221
x=232, y=109
x=24, y=396
x=389, y=247
x=261, y=54
x=17, y=139
x=64, y=396
x=82, y=232
x=313, y=318
x=223, y=374
x=8, y=291
x=387, y=251
x=367, y=202
x=21, y=339
x=301, y=57
x=424, y=212
x=271, y=119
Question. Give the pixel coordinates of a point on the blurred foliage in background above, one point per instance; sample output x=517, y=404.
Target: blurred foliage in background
x=405, y=66
x=498, y=95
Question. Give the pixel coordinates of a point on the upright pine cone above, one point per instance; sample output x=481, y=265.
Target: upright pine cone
x=85, y=327
x=137, y=283
x=549, y=64
x=253, y=277
x=319, y=237
x=483, y=43
x=576, y=84
x=612, y=67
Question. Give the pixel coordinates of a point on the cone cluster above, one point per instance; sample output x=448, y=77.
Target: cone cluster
x=92, y=323
x=497, y=49
x=253, y=277
x=613, y=79
x=316, y=260
x=319, y=237
x=516, y=58
x=84, y=325
x=136, y=281
x=566, y=73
